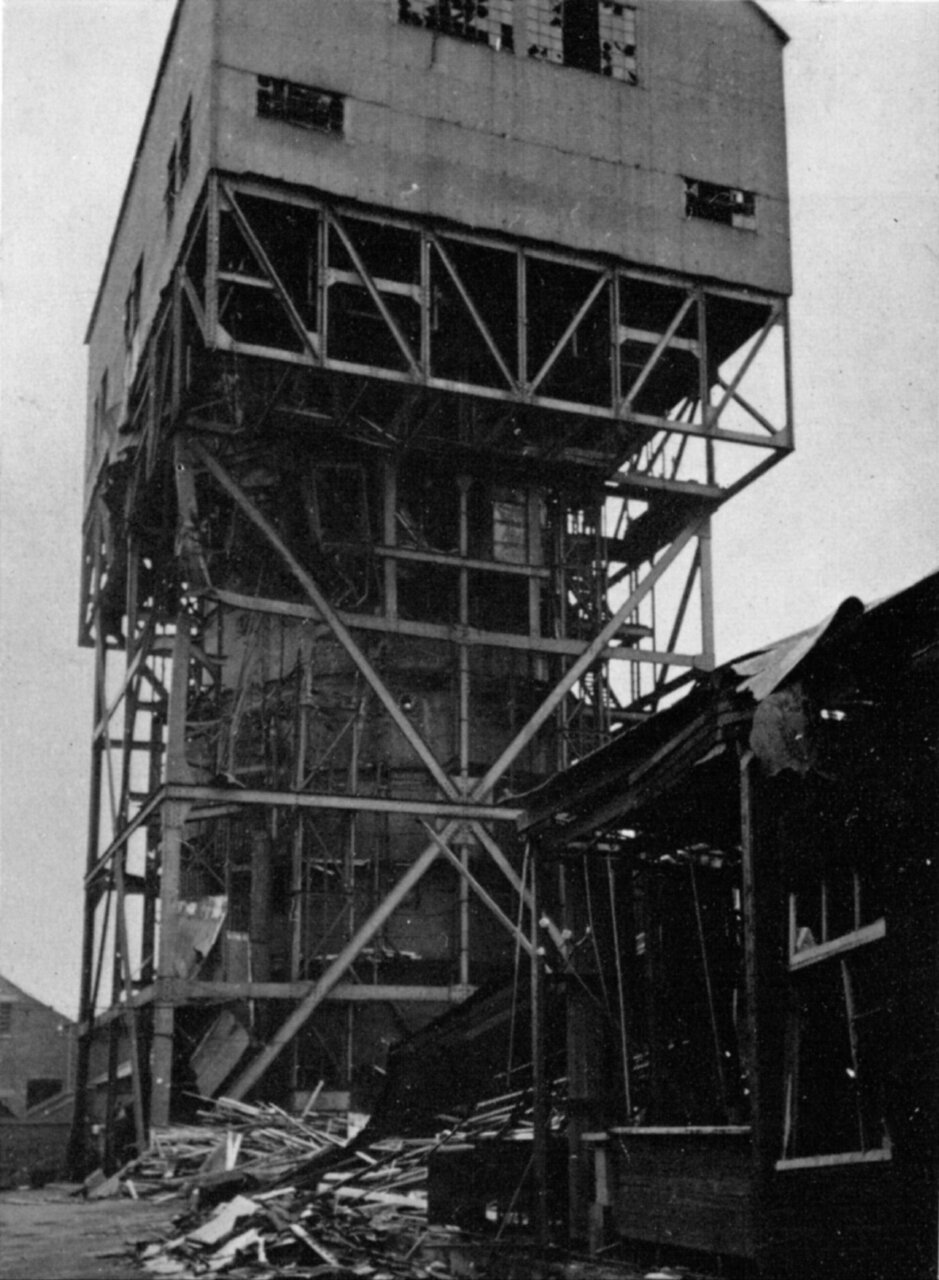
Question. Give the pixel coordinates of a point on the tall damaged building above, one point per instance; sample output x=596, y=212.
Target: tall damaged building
x=430, y=337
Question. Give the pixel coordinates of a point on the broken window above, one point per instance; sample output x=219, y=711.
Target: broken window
x=6, y=1017
x=185, y=143
x=617, y=23
x=837, y=1036
x=101, y=406
x=839, y=910
x=482, y=21
x=837, y=1063
x=730, y=206
x=509, y=526
x=132, y=304
x=169, y=195
x=300, y=105
x=41, y=1089
x=592, y=35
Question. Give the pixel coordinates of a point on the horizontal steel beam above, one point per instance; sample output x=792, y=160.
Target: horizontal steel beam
x=236, y=797
x=463, y=562
x=452, y=810
x=453, y=634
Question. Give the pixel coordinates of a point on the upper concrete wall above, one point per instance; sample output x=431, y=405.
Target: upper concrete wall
x=439, y=126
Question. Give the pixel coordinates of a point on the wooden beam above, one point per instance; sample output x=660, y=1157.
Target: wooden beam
x=183, y=991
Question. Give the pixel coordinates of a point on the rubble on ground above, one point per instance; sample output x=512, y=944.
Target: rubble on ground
x=268, y=1194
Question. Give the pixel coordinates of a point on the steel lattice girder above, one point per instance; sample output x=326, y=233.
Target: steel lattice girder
x=303, y=280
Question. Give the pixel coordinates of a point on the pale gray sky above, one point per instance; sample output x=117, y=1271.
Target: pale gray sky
x=854, y=511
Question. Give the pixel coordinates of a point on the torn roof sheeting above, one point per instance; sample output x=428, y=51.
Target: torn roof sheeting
x=887, y=623
x=766, y=670
x=874, y=640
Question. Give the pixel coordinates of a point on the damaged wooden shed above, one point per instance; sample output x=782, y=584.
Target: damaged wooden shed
x=751, y=880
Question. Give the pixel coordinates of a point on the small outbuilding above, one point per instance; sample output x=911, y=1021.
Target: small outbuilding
x=36, y=1070
x=748, y=886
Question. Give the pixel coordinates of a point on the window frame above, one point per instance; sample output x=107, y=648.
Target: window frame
x=720, y=204
x=303, y=106
x=540, y=30
x=820, y=961
x=443, y=18
x=132, y=305
x=803, y=953
x=184, y=162
x=172, y=184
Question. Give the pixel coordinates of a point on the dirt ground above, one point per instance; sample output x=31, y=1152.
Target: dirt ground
x=50, y=1234
x=47, y=1234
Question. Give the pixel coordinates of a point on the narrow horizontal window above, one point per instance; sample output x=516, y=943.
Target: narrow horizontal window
x=300, y=105
x=730, y=206
x=481, y=21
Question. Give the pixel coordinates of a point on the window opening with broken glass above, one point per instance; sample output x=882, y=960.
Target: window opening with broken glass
x=730, y=206
x=300, y=105
x=482, y=21
x=599, y=35
x=592, y=35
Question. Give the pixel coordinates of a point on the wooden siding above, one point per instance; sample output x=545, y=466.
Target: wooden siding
x=691, y=1190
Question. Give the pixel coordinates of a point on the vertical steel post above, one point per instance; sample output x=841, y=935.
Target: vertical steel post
x=174, y=817
x=706, y=567
x=76, y=1147
x=539, y=1081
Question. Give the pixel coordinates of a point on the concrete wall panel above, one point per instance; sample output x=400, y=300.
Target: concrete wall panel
x=441, y=127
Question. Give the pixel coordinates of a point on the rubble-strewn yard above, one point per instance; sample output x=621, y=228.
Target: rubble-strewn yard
x=252, y=1191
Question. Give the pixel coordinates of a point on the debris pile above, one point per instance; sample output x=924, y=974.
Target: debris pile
x=270, y=1194
x=281, y=1231
x=263, y=1143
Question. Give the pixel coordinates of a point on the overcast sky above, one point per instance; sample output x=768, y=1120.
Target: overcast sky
x=853, y=512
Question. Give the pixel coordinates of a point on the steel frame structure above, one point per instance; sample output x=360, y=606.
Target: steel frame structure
x=601, y=410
